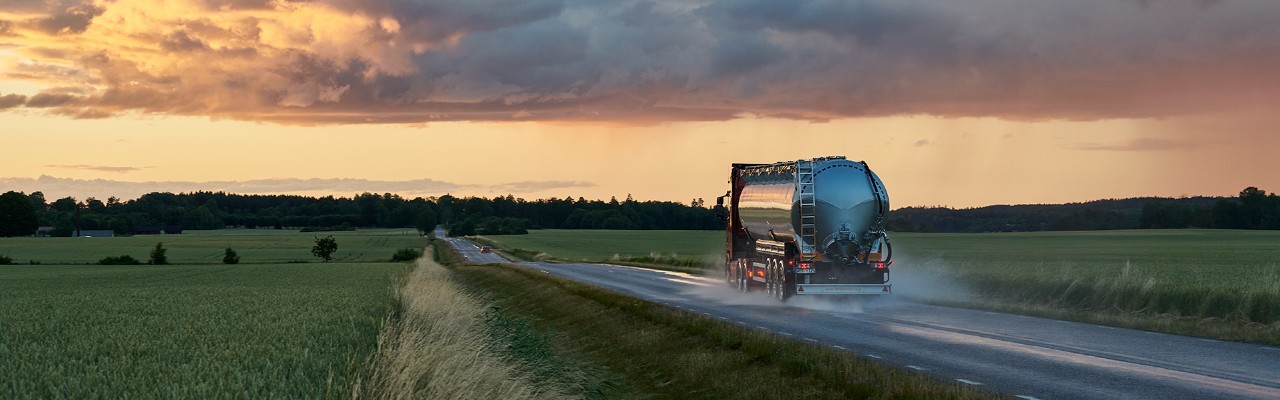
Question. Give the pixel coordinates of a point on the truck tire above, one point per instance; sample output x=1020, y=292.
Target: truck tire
x=768, y=277
x=785, y=285
x=742, y=279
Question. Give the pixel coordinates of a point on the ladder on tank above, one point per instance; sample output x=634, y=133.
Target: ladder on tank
x=808, y=205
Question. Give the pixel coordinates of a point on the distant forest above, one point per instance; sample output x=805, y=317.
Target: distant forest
x=1252, y=209
x=21, y=214
x=155, y=212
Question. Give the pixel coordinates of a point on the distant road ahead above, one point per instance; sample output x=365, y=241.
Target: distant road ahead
x=1024, y=357
x=469, y=251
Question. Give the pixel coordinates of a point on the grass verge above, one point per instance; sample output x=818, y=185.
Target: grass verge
x=644, y=350
x=438, y=346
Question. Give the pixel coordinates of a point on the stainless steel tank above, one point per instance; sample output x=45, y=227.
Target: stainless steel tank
x=849, y=205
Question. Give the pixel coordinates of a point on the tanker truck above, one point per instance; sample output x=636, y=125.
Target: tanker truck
x=806, y=227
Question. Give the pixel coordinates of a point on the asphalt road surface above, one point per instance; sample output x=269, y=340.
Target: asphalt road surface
x=470, y=251
x=1023, y=357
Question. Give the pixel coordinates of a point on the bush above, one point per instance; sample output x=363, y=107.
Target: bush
x=406, y=254
x=157, y=255
x=230, y=257
x=121, y=260
x=5, y=260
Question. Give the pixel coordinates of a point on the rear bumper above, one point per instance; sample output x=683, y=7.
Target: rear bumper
x=819, y=289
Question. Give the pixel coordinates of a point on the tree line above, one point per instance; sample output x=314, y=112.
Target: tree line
x=21, y=214
x=1253, y=208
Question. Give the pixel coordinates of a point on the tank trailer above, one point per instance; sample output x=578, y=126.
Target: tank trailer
x=806, y=227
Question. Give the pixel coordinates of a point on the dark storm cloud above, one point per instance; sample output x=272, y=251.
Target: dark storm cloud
x=401, y=61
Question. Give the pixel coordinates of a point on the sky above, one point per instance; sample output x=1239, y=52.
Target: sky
x=961, y=103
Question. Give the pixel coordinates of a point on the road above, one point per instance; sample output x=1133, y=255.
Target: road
x=1023, y=357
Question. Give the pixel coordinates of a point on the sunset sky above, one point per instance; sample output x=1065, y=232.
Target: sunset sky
x=957, y=103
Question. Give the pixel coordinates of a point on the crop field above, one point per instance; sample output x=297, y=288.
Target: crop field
x=196, y=331
x=1211, y=275
x=207, y=247
x=599, y=245
x=269, y=327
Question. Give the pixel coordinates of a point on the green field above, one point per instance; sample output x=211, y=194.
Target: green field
x=598, y=245
x=207, y=331
x=207, y=247
x=266, y=328
x=1207, y=275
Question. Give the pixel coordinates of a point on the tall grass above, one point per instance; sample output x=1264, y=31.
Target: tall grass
x=1140, y=298
x=1138, y=291
x=438, y=346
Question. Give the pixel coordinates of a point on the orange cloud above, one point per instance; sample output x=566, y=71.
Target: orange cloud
x=400, y=61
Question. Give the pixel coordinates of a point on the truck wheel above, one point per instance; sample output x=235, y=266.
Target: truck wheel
x=774, y=288
x=777, y=287
x=785, y=286
x=742, y=279
x=768, y=277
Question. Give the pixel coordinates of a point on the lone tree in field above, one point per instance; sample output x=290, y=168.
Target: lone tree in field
x=324, y=248
x=157, y=255
x=230, y=257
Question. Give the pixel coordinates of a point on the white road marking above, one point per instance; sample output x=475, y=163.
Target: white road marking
x=838, y=347
x=810, y=340
x=917, y=368
x=1210, y=340
x=761, y=328
x=1150, y=333
x=1272, y=348
x=1025, y=397
x=784, y=334
x=875, y=356
x=723, y=318
x=969, y=382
